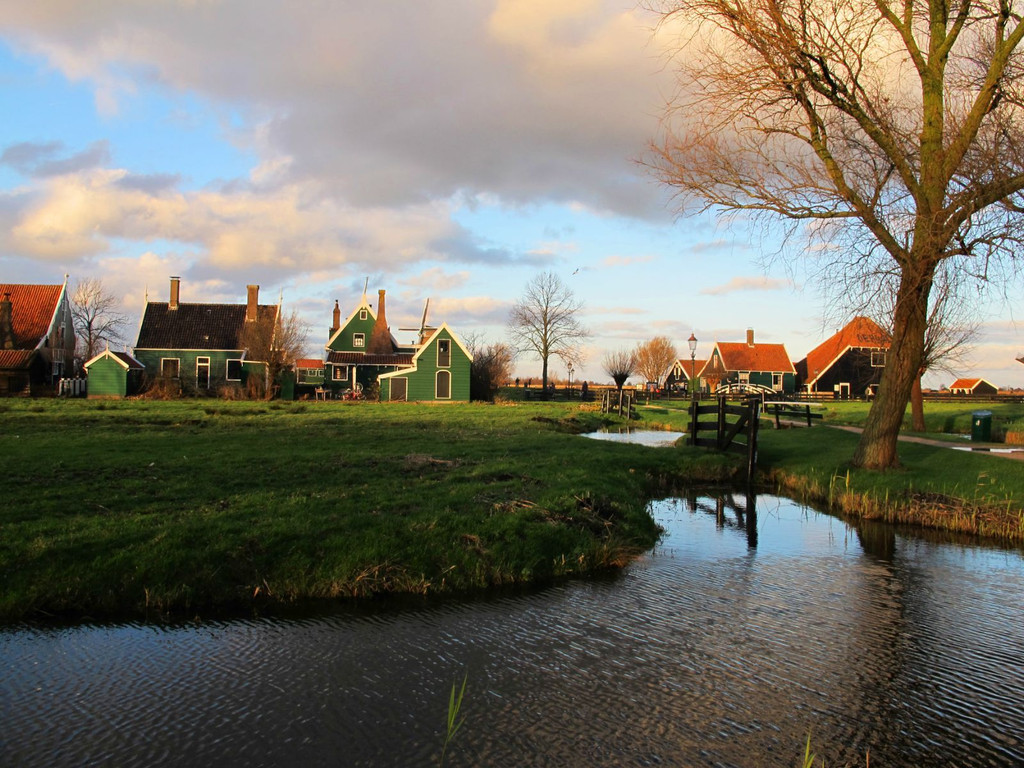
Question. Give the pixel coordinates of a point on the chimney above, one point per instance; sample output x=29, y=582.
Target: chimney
x=750, y=337
x=252, y=303
x=175, y=291
x=6, y=323
x=337, y=319
x=380, y=338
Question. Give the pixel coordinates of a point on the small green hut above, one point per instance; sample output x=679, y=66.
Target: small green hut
x=114, y=375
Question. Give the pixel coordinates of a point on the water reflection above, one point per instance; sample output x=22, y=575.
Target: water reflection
x=752, y=623
x=653, y=438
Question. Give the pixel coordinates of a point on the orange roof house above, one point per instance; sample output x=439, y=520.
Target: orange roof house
x=764, y=367
x=848, y=363
x=966, y=386
x=37, y=336
x=679, y=374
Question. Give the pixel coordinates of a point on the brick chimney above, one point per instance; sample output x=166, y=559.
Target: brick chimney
x=175, y=292
x=336, y=318
x=6, y=323
x=750, y=337
x=252, y=303
x=380, y=338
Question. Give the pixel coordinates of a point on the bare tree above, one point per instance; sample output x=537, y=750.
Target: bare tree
x=620, y=364
x=545, y=321
x=277, y=340
x=654, y=358
x=97, y=317
x=491, y=366
x=891, y=132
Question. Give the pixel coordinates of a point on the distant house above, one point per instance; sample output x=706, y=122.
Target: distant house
x=678, y=377
x=114, y=375
x=361, y=353
x=204, y=346
x=746, y=364
x=309, y=372
x=37, y=337
x=972, y=387
x=848, y=363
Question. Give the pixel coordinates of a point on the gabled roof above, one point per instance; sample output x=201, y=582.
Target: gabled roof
x=970, y=384
x=685, y=365
x=435, y=333
x=123, y=359
x=861, y=332
x=33, y=308
x=197, y=326
x=739, y=356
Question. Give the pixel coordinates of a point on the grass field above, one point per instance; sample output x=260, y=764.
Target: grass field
x=134, y=507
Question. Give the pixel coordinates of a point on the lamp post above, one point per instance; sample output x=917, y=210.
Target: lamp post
x=569, y=368
x=692, y=341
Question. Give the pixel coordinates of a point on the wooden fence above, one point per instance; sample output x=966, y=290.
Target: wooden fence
x=621, y=401
x=737, y=434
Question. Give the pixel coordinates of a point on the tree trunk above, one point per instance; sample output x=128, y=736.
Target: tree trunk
x=917, y=406
x=877, y=446
x=544, y=373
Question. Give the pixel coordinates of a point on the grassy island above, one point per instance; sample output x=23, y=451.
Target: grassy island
x=201, y=507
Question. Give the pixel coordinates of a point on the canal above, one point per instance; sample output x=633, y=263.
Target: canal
x=727, y=645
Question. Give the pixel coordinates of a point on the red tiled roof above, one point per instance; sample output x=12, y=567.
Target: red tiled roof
x=969, y=383
x=739, y=356
x=860, y=332
x=16, y=359
x=32, y=310
x=684, y=365
x=309, y=362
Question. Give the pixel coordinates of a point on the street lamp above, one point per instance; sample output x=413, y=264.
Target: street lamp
x=692, y=341
x=569, y=368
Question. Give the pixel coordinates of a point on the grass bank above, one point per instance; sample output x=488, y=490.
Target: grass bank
x=935, y=487
x=193, y=507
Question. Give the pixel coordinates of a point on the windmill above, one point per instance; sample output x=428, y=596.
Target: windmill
x=424, y=330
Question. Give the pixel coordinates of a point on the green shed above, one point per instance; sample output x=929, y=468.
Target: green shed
x=113, y=375
x=439, y=371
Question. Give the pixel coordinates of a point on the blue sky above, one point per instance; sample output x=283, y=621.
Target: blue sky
x=444, y=150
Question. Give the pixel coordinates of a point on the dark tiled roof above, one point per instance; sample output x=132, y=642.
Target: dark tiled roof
x=360, y=358
x=197, y=326
x=32, y=309
x=16, y=359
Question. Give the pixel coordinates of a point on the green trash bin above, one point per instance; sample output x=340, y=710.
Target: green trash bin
x=981, y=426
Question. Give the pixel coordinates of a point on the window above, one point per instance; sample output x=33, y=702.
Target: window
x=444, y=385
x=169, y=367
x=399, y=389
x=358, y=339
x=777, y=381
x=878, y=358
x=234, y=372
x=444, y=353
x=203, y=372
x=744, y=377
x=362, y=314
x=340, y=373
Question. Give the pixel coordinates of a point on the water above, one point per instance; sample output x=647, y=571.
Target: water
x=725, y=646
x=650, y=437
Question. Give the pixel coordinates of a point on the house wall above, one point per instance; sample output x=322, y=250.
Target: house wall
x=853, y=368
x=187, y=366
x=343, y=342
x=423, y=380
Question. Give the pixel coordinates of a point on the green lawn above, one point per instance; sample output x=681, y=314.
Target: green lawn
x=124, y=507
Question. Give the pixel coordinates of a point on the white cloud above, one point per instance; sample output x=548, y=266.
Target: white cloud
x=748, y=284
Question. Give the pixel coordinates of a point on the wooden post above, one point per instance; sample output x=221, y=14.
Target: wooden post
x=721, y=421
x=752, y=441
x=691, y=439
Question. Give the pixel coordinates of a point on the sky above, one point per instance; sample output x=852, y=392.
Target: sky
x=449, y=150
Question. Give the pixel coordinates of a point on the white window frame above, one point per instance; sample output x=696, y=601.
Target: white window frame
x=340, y=373
x=875, y=355
x=362, y=314
x=358, y=339
x=177, y=365
x=227, y=369
x=448, y=351
x=199, y=362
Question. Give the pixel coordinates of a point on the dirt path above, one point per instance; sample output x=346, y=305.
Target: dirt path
x=988, y=449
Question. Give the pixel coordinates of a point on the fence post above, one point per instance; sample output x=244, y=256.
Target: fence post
x=721, y=421
x=752, y=440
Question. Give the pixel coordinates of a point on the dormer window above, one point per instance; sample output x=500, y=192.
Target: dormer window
x=362, y=314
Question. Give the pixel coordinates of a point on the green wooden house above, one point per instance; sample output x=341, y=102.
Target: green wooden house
x=362, y=354
x=202, y=347
x=114, y=375
x=758, y=367
x=439, y=371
